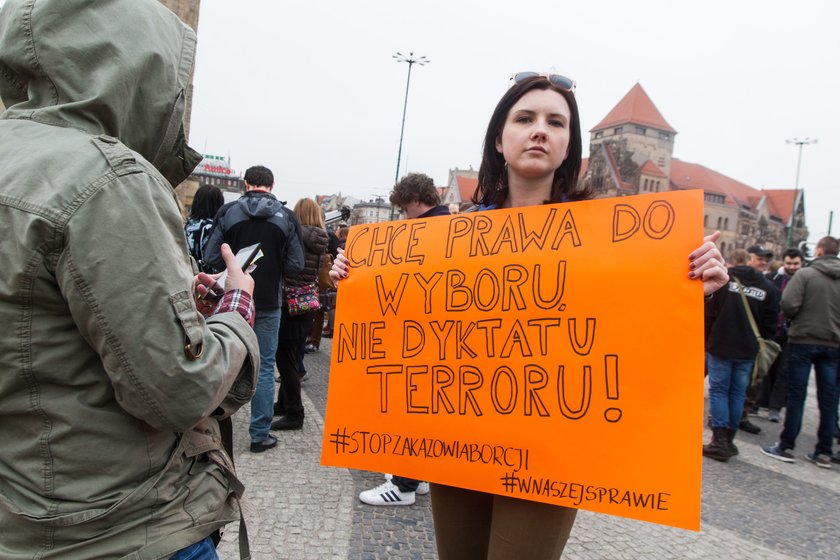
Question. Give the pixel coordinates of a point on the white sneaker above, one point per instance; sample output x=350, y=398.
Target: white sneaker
x=387, y=494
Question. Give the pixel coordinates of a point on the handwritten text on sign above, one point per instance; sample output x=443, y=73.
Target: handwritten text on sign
x=533, y=352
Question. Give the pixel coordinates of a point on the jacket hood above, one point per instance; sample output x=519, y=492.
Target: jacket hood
x=258, y=204
x=830, y=266
x=747, y=275
x=113, y=67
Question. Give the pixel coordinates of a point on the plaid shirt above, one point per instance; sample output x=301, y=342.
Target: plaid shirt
x=237, y=301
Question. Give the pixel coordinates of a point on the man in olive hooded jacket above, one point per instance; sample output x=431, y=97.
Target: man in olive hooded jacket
x=111, y=381
x=811, y=301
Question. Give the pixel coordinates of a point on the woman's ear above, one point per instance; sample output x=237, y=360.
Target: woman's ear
x=499, y=144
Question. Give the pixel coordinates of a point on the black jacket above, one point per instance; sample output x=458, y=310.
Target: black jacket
x=314, y=248
x=730, y=336
x=436, y=211
x=258, y=217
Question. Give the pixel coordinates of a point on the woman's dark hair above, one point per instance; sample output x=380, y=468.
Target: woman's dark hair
x=492, y=175
x=206, y=202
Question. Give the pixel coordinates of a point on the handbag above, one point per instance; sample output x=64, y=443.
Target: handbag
x=301, y=299
x=768, y=350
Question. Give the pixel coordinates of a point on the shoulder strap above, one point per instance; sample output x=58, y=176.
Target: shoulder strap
x=749, y=311
x=119, y=157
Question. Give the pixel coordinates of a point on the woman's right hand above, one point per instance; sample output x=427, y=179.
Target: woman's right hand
x=340, y=268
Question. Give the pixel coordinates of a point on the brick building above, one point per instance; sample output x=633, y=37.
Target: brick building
x=460, y=188
x=631, y=152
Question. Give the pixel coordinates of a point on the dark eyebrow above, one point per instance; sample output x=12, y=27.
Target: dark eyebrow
x=531, y=112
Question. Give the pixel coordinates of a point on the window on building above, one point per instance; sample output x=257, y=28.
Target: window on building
x=726, y=223
x=719, y=220
x=706, y=220
x=598, y=134
x=641, y=129
x=664, y=136
x=661, y=161
x=646, y=185
x=618, y=130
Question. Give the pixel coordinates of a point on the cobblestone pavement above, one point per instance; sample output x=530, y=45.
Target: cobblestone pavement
x=753, y=507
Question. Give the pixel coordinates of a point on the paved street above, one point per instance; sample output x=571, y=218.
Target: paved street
x=753, y=507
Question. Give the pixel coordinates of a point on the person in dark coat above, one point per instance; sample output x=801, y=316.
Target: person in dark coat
x=295, y=328
x=731, y=348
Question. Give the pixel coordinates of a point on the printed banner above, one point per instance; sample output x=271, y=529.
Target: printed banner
x=551, y=353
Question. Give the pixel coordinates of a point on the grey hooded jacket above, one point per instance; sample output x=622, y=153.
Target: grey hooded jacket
x=110, y=448
x=811, y=301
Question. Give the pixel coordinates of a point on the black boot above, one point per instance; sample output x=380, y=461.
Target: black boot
x=730, y=436
x=746, y=425
x=288, y=423
x=718, y=448
x=749, y=427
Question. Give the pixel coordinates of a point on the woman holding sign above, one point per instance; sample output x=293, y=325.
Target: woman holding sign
x=532, y=155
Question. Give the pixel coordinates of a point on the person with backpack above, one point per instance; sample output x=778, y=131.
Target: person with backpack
x=206, y=202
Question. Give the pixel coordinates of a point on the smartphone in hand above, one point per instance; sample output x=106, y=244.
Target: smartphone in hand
x=245, y=258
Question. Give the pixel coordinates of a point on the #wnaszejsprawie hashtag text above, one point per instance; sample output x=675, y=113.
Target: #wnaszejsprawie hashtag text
x=579, y=493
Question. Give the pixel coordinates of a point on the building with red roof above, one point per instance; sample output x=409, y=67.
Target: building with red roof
x=460, y=188
x=631, y=152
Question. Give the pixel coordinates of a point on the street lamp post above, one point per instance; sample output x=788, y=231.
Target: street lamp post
x=411, y=60
x=800, y=143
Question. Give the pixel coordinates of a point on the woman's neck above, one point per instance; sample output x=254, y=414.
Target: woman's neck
x=528, y=192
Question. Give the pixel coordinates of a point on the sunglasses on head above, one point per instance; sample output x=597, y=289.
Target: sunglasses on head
x=562, y=82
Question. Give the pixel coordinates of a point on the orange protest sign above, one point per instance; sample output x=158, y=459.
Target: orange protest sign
x=551, y=353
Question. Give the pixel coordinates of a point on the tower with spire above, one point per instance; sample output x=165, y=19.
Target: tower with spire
x=631, y=148
x=631, y=151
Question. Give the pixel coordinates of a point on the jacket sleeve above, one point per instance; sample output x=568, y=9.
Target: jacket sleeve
x=125, y=274
x=769, y=313
x=213, y=251
x=712, y=308
x=794, y=294
x=295, y=259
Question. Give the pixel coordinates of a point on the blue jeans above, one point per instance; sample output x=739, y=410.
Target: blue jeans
x=824, y=360
x=728, y=381
x=202, y=550
x=266, y=327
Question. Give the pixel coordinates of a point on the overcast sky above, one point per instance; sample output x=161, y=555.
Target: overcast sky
x=310, y=89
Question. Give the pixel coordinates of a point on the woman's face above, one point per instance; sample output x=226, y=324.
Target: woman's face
x=535, y=137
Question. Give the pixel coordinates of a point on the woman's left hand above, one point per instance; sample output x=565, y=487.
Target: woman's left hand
x=707, y=265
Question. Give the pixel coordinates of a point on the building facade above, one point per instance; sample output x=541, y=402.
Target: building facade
x=460, y=187
x=631, y=152
x=371, y=212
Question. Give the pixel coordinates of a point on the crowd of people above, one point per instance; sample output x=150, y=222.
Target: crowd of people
x=125, y=357
x=798, y=309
